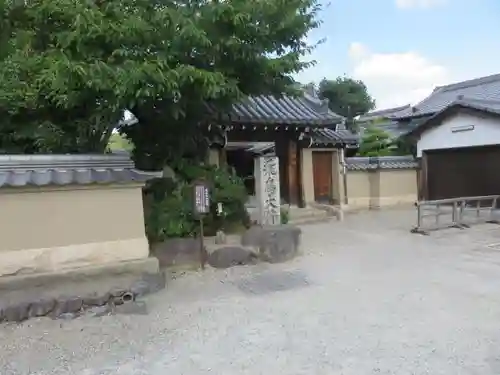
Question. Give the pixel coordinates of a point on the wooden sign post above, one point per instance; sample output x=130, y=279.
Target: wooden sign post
x=201, y=201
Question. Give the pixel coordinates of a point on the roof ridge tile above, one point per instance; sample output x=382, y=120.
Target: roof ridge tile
x=469, y=83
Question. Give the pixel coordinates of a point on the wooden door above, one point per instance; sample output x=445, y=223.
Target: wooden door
x=463, y=172
x=322, y=175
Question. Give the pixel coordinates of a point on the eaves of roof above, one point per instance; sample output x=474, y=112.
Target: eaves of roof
x=333, y=137
x=488, y=107
x=299, y=111
x=481, y=89
x=382, y=113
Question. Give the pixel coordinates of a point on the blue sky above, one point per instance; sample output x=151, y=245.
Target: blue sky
x=402, y=49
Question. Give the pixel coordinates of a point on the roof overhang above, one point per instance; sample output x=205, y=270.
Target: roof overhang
x=452, y=109
x=276, y=112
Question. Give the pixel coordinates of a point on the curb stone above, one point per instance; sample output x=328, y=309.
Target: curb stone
x=71, y=307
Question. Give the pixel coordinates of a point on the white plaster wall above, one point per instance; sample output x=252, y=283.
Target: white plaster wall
x=486, y=132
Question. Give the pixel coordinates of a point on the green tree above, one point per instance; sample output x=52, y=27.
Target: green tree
x=375, y=142
x=117, y=142
x=347, y=97
x=403, y=146
x=69, y=68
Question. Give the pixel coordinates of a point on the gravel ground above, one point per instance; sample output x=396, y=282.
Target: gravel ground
x=367, y=297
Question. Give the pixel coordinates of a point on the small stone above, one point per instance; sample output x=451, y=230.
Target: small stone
x=140, y=288
x=96, y=299
x=17, y=313
x=41, y=307
x=231, y=256
x=132, y=308
x=98, y=311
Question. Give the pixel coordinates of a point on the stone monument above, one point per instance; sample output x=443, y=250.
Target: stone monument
x=267, y=189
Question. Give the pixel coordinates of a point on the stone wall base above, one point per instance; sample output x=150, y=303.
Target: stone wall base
x=56, y=259
x=127, y=269
x=71, y=293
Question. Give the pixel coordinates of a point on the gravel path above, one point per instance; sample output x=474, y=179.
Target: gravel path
x=367, y=297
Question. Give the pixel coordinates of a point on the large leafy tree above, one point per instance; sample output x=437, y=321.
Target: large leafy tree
x=70, y=67
x=347, y=97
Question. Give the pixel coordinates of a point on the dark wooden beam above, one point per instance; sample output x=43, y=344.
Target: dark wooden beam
x=423, y=182
x=246, y=135
x=281, y=150
x=293, y=176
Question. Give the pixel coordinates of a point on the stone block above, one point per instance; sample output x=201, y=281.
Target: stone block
x=67, y=305
x=252, y=236
x=178, y=252
x=276, y=243
x=229, y=256
x=156, y=281
x=140, y=288
x=42, y=307
x=16, y=313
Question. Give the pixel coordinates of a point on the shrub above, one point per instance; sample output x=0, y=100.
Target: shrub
x=167, y=213
x=168, y=204
x=285, y=216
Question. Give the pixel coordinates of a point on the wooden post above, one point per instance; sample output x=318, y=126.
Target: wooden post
x=300, y=184
x=281, y=152
x=423, y=178
x=293, y=177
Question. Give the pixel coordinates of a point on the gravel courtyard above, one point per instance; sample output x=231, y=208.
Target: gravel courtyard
x=367, y=297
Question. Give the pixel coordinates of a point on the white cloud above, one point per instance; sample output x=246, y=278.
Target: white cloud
x=423, y=4
x=357, y=51
x=396, y=78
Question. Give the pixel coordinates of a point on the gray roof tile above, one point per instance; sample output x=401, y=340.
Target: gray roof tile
x=303, y=110
x=380, y=162
x=40, y=170
x=483, y=89
x=381, y=113
x=326, y=136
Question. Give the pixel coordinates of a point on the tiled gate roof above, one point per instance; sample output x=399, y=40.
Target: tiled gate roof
x=327, y=136
x=303, y=110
